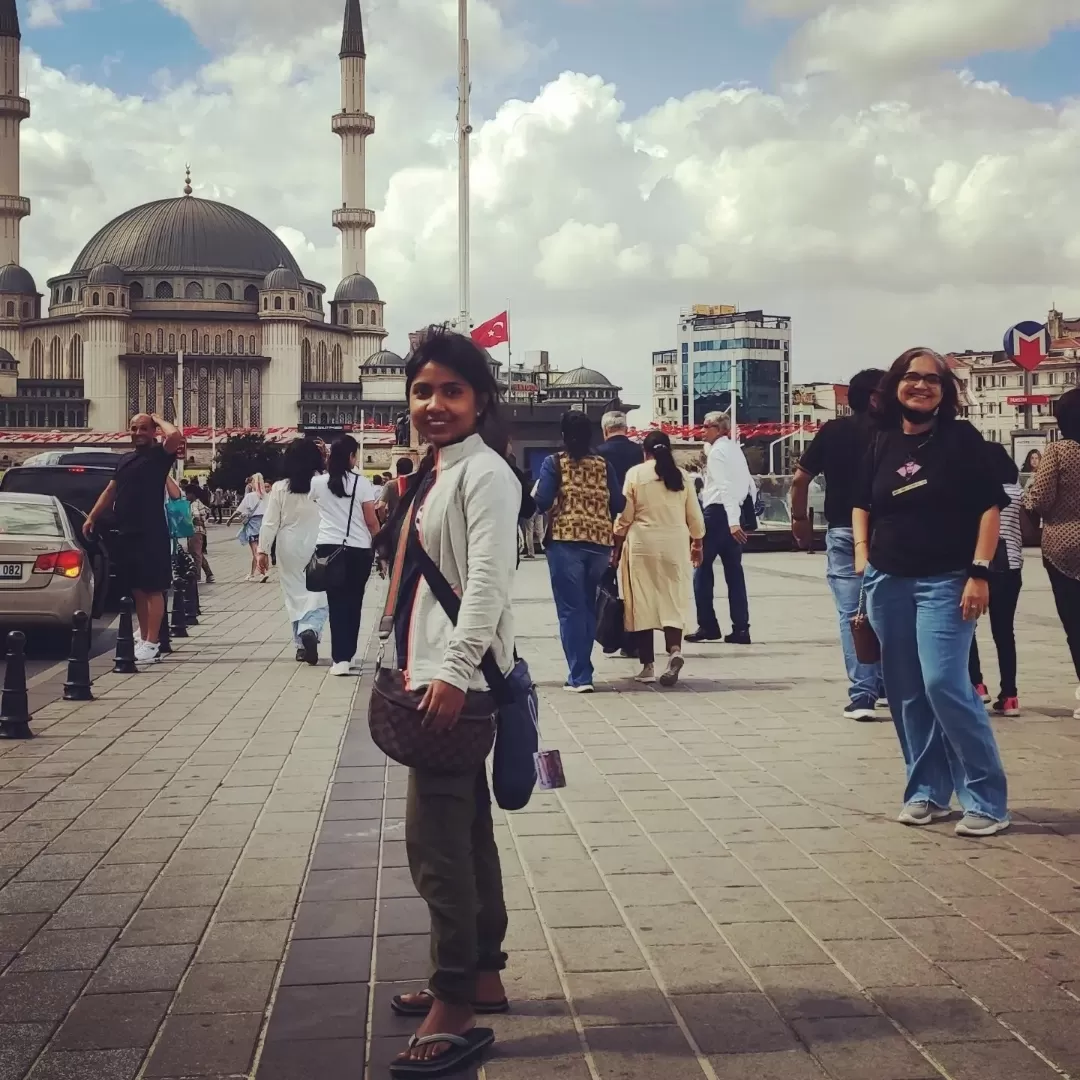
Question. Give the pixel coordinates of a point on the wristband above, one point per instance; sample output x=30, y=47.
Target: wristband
x=979, y=573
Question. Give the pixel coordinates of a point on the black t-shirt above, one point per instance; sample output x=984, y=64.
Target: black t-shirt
x=140, y=490
x=838, y=451
x=925, y=494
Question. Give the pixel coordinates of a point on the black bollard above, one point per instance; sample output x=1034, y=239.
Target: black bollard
x=124, y=660
x=14, y=707
x=77, y=687
x=179, y=610
x=191, y=600
x=164, y=641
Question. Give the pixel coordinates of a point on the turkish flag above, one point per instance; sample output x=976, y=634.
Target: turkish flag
x=494, y=332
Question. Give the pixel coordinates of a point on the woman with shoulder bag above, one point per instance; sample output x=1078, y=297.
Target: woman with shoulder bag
x=456, y=525
x=935, y=507
x=347, y=526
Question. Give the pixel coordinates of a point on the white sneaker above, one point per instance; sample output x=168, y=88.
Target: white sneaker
x=145, y=653
x=647, y=674
x=1076, y=711
x=586, y=688
x=342, y=667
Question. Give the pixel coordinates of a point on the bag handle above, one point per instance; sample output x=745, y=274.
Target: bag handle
x=386, y=623
x=352, y=503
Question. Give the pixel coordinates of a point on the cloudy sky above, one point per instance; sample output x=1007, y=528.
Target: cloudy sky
x=887, y=172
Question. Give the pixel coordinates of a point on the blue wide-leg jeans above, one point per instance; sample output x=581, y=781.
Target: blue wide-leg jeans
x=864, y=679
x=576, y=571
x=944, y=731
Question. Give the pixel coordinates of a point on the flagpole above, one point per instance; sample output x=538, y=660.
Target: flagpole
x=509, y=347
x=464, y=134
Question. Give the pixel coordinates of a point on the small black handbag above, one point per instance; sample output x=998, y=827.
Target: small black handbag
x=325, y=572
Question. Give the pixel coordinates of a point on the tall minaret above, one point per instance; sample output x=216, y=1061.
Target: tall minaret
x=354, y=125
x=13, y=111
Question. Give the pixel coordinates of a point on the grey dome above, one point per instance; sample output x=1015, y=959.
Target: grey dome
x=385, y=358
x=281, y=278
x=6, y=358
x=186, y=235
x=356, y=287
x=14, y=279
x=582, y=376
x=106, y=274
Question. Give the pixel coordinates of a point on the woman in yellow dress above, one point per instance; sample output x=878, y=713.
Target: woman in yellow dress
x=657, y=543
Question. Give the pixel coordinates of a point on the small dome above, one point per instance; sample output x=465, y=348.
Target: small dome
x=106, y=274
x=281, y=278
x=356, y=287
x=583, y=376
x=14, y=279
x=7, y=360
x=385, y=358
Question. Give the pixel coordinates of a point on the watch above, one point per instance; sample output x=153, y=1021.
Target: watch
x=979, y=569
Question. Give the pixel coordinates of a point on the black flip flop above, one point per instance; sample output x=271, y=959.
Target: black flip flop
x=466, y=1049
x=481, y=1008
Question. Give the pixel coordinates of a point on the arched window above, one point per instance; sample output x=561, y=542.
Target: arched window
x=26, y=309
x=204, y=397
x=133, y=403
x=343, y=316
x=75, y=358
x=255, y=397
x=206, y=344
x=228, y=341
x=96, y=299
x=305, y=360
x=322, y=373
x=310, y=300
x=67, y=295
x=56, y=296
x=266, y=303
x=240, y=343
x=292, y=303
x=11, y=309
x=251, y=344
x=56, y=359
x=168, y=394
x=163, y=290
x=223, y=291
x=237, y=397
x=136, y=341
x=217, y=344
x=160, y=340
x=151, y=389
x=172, y=343
x=110, y=299
x=37, y=360
x=337, y=368
x=136, y=290
x=123, y=300
x=277, y=303
x=251, y=294
x=220, y=379
x=193, y=290
x=183, y=342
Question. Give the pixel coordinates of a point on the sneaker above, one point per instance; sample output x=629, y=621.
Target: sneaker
x=739, y=637
x=704, y=635
x=1076, y=712
x=977, y=825
x=585, y=688
x=647, y=674
x=861, y=709
x=882, y=704
x=1007, y=706
x=674, y=666
x=145, y=653
x=301, y=657
x=342, y=667
x=209, y=579
x=981, y=690
x=309, y=648
x=922, y=812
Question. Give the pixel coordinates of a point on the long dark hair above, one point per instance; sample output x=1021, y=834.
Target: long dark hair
x=301, y=461
x=888, y=414
x=1067, y=411
x=341, y=449
x=577, y=433
x=658, y=444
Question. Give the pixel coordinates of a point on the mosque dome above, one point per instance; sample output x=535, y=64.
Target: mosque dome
x=106, y=274
x=281, y=278
x=187, y=236
x=6, y=360
x=356, y=287
x=583, y=376
x=385, y=358
x=14, y=279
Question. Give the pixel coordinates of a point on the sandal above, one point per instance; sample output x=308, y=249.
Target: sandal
x=465, y=1049
x=481, y=1008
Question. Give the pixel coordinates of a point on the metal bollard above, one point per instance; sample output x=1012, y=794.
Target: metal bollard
x=78, y=685
x=191, y=599
x=14, y=707
x=179, y=610
x=164, y=640
x=124, y=660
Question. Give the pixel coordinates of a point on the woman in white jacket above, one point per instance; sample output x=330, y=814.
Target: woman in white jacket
x=467, y=502
x=292, y=520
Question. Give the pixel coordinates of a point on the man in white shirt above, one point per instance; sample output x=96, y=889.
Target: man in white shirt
x=727, y=484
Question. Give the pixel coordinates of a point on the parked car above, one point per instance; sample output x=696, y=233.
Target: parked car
x=78, y=487
x=46, y=573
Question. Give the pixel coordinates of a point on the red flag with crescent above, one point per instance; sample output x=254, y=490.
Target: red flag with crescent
x=494, y=332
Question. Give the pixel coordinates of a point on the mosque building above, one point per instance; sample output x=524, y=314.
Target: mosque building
x=191, y=308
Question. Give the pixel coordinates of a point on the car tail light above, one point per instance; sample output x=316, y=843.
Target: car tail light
x=65, y=563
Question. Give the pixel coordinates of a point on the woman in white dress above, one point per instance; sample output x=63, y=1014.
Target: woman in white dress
x=292, y=520
x=251, y=511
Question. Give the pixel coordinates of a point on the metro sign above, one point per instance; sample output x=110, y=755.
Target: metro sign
x=1027, y=344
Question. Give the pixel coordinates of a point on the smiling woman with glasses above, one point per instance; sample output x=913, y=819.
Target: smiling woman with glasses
x=926, y=523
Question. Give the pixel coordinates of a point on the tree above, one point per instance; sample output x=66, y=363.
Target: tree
x=242, y=455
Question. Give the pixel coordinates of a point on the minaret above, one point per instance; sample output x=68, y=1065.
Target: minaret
x=354, y=125
x=13, y=111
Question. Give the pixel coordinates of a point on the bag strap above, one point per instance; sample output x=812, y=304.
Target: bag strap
x=393, y=591
x=352, y=503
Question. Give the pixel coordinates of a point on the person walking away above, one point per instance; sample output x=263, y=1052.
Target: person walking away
x=251, y=511
x=217, y=504
x=1005, y=585
x=935, y=507
x=347, y=523
x=727, y=485
x=200, y=515
x=658, y=540
x=393, y=491
x=527, y=508
x=468, y=505
x=578, y=487
x=135, y=496
x=618, y=449
x=292, y=523
x=837, y=453
x=1055, y=495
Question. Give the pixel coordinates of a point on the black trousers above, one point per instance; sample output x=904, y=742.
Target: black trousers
x=1004, y=594
x=1067, y=599
x=346, y=601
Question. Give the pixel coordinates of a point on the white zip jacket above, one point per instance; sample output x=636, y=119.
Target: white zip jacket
x=468, y=525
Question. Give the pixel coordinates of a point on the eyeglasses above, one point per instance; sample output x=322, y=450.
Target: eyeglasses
x=913, y=378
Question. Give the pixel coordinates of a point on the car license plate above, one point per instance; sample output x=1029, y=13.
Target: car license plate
x=11, y=571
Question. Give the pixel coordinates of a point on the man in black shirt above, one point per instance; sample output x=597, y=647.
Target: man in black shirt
x=618, y=449
x=136, y=497
x=838, y=451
